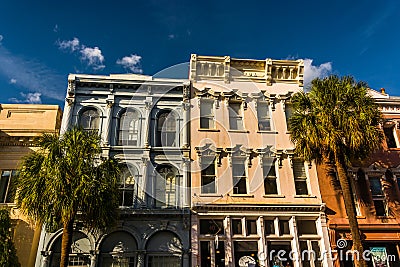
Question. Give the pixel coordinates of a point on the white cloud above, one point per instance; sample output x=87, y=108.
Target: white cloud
x=93, y=57
x=29, y=98
x=311, y=72
x=13, y=81
x=32, y=75
x=55, y=29
x=131, y=62
x=71, y=45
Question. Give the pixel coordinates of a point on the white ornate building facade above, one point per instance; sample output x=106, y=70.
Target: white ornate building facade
x=143, y=122
x=253, y=202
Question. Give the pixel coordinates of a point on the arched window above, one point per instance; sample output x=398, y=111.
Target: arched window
x=165, y=189
x=90, y=120
x=128, y=187
x=118, y=249
x=166, y=129
x=128, y=129
x=164, y=249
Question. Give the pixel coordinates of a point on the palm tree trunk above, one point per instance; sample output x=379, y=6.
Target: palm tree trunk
x=350, y=210
x=66, y=242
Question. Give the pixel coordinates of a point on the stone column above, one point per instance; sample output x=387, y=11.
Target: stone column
x=322, y=231
x=107, y=123
x=140, y=259
x=295, y=242
x=67, y=114
x=142, y=182
x=262, y=251
x=147, y=120
x=45, y=258
x=229, y=244
x=93, y=258
x=185, y=192
x=186, y=121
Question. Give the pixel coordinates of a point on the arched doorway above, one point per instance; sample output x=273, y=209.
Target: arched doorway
x=80, y=251
x=118, y=249
x=164, y=249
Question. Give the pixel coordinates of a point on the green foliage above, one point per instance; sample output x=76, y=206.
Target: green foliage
x=8, y=254
x=336, y=117
x=67, y=177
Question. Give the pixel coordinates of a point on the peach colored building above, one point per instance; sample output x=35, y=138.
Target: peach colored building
x=250, y=196
x=375, y=184
x=19, y=125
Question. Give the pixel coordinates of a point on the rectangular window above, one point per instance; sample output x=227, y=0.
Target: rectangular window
x=389, y=130
x=288, y=114
x=284, y=227
x=208, y=183
x=300, y=177
x=270, y=186
x=251, y=227
x=207, y=114
x=264, y=119
x=235, y=116
x=377, y=196
x=211, y=227
x=7, y=186
x=310, y=253
x=269, y=227
x=205, y=253
x=239, y=178
x=237, y=226
x=306, y=227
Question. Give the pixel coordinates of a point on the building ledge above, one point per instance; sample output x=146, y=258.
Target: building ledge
x=267, y=132
x=305, y=196
x=208, y=130
x=274, y=196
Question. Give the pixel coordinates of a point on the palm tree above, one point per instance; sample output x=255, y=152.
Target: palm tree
x=8, y=253
x=337, y=121
x=66, y=180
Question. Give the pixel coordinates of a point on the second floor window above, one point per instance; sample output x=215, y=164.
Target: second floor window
x=90, y=120
x=239, y=177
x=166, y=129
x=389, y=130
x=207, y=114
x=270, y=185
x=128, y=187
x=263, y=114
x=235, y=116
x=165, y=188
x=7, y=186
x=128, y=130
x=208, y=183
x=300, y=177
x=377, y=196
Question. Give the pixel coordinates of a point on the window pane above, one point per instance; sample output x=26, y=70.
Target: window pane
x=264, y=121
x=305, y=254
x=376, y=186
x=90, y=120
x=211, y=227
x=206, y=114
x=316, y=249
x=205, y=253
x=380, y=207
x=299, y=170
x=128, y=128
x=235, y=117
x=220, y=254
x=306, y=227
x=284, y=227
x=208, y=184
x=389, y=135
x=251, y=226
x=237, y=226
x=269, y=227
x=301, y=187
x=4, y=184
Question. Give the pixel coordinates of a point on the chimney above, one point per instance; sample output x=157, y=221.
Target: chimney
x=383, y=91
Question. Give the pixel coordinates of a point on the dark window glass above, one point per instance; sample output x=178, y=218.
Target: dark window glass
x=235, y=116
x=205, y=253
x=300, y=177
x=305, y=227
x=206, y=114
x=270, y=185
x=376, y=186
x=251, y=226
x=264, y=120
x=90, y=120
x=212, y=227
x=128, y=128
x=389, y=135
x=8, y=181
x=269, y=227
x=166, y=129
x=380, y=207
x=239, y=178
x=284, y=227
x=237, y=226
x=208, y=184
x=220, y=254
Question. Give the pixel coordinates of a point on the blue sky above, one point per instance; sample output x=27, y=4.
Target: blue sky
x=41, y=42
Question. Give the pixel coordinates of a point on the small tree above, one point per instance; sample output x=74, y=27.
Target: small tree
x=8, y=253
x=66, y=180
x=337, y=121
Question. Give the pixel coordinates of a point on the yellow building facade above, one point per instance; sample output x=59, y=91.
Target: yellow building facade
x=19, y=125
